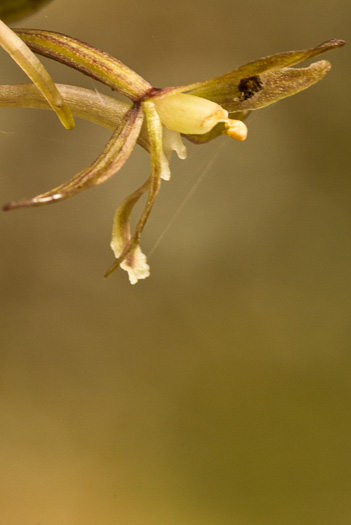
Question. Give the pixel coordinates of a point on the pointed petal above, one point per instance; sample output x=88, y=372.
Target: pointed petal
x=283, y=83
x=210, y=88
x=36, y=72
x=273, y=86
x=155, y=137
x=111, y=160
x=87, y=59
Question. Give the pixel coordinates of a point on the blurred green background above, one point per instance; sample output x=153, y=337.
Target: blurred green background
x=216, y=392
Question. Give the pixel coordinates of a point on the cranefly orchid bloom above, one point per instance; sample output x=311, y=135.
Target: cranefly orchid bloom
x=158, y=119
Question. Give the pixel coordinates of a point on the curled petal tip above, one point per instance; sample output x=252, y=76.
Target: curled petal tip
x=236, y=129
x=334, y=42
x=136, y=266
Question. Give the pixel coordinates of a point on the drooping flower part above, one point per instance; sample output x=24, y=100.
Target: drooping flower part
x=158, y=119
x=35, y=70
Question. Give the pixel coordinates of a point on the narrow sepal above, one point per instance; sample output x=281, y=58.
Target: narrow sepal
x=114, y=155
x=87, y=59
x=271, y=87
x=210, y=88
x=35, y=70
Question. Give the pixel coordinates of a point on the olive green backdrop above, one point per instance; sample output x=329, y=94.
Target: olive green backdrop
x=217, y=392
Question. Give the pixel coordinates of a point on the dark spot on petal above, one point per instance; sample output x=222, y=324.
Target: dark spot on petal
x=249, y=86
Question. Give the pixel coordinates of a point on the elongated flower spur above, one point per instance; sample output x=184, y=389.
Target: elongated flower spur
x=156, y=119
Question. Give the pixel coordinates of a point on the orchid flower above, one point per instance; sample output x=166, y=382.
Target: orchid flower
x=157, y=119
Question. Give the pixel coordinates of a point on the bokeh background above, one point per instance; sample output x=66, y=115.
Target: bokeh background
x=216, y=392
